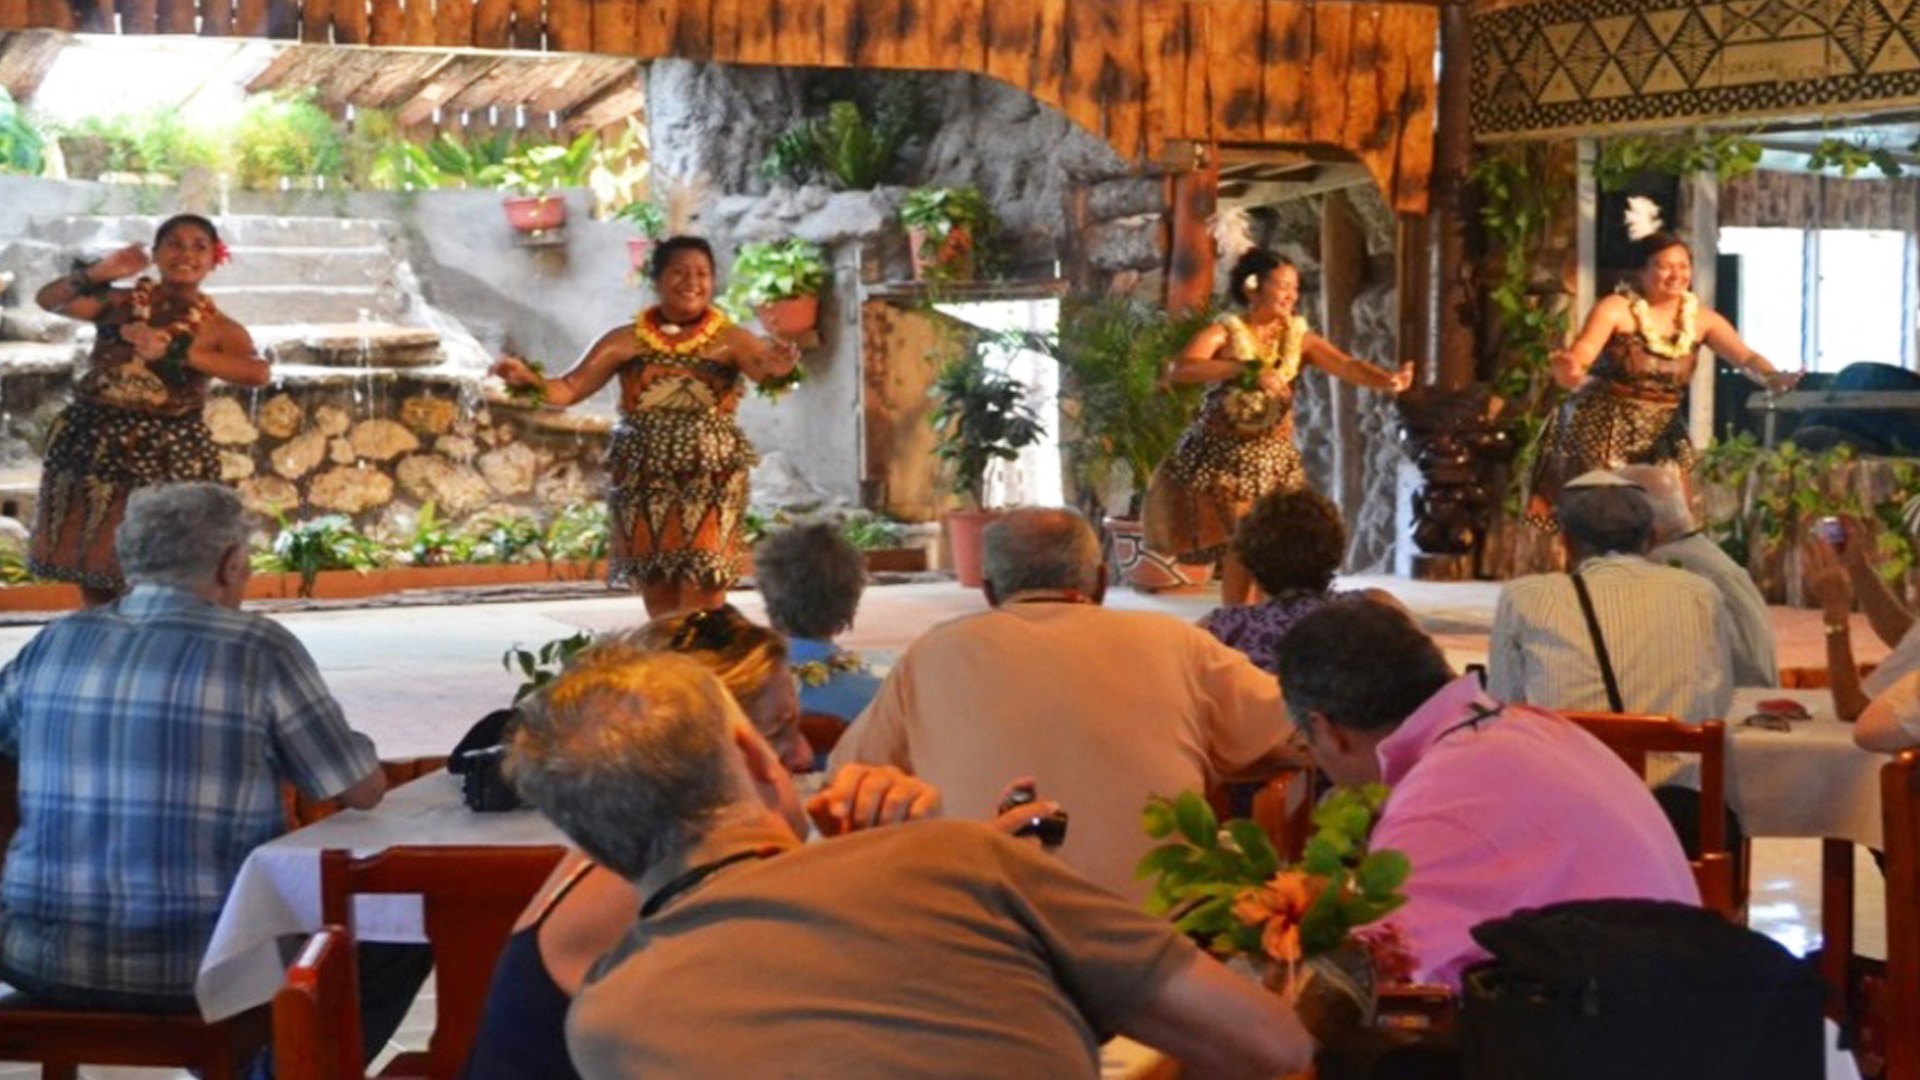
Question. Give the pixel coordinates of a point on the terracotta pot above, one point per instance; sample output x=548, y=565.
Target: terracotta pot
x=789, y=318
x=952, y=262
x=640, y=253
x=1149, y=571
x=535, y=214
x=964, y=529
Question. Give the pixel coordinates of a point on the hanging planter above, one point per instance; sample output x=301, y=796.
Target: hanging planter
x=789, y=318
x=944, y=227
x=539, y=213
x=780, y=282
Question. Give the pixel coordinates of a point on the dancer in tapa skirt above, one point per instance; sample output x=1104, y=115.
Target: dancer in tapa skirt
x=1240, y=446
x=136, y=414
x=678, y=459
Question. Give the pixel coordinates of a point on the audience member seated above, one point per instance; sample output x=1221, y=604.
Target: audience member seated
x=811, y=579
x=1836, y=575
x=1665, y=630
x=1680, y=542
x=932, y=950
x=1103, y=708
x=1497, y=806
x=1889, y=721
x=151, y=736
x=1292, y=542
x=583, y=909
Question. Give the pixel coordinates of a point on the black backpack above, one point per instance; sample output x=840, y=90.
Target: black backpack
x=1637, y=990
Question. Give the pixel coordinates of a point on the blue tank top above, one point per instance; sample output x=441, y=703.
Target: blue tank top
x=523, y=1028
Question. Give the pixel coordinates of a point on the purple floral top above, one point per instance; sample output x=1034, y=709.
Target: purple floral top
x=1256, y=628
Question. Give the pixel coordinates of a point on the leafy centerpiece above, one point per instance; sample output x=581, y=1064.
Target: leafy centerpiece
x=1299, y=926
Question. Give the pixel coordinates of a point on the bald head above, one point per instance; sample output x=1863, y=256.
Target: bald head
x=1672, y=517
x=1042, y=548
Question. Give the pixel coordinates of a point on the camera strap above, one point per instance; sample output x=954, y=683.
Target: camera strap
x=1599, y=643
x=696, y=875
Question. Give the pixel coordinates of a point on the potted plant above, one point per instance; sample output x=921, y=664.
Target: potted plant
x=651, y=221
x=535, y=173
x=780, y=281
x=1112, y=352
x=980, y=416
x=945, y=230
x=1298, y=926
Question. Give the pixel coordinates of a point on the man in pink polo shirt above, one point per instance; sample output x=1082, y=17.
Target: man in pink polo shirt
x=1498, y=807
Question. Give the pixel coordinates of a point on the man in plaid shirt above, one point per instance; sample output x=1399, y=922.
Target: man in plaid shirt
x=152, y=735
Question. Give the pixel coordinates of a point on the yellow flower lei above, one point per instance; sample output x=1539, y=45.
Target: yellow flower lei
x=684, y=343
x=1283, y=353
x=818, y=672
x=1685, y=338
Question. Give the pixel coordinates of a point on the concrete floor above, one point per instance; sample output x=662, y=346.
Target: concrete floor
x=415, y=677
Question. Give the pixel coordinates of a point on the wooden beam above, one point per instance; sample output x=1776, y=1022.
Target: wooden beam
x=529, y=24
x=1190, y=266
x=1453, y=292
x=615, y=105
x=28, y=56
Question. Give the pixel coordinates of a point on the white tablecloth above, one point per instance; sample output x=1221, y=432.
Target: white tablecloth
x=277, y=893
x=1809, y=782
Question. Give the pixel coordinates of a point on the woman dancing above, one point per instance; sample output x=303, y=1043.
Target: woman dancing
x=1240, y=447
x=678, y=460
x=135, y=419
x=1628, y=370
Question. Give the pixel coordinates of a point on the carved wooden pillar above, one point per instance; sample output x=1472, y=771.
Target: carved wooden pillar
x=1194, y=194
x=1445, y=423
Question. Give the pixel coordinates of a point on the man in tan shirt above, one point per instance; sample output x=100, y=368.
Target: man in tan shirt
x=1103, y=708
x=921, y=952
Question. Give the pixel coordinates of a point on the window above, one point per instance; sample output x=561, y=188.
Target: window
x=1823, y=299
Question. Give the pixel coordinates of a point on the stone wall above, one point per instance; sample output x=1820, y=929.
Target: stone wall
x=717, y=123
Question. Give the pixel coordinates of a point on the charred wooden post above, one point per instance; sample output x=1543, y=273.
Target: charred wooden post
x=1445, y=423
x=1194, y=194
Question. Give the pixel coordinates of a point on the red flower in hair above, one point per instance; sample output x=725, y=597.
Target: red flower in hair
x=222, y=254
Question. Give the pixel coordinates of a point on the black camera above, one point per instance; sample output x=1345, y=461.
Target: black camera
x=477, y=761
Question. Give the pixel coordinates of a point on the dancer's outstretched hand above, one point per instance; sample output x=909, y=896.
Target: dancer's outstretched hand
x=124, y=263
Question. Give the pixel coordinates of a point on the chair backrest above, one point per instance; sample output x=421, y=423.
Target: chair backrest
x=470, y=899
x=1900, y=813
x=316, y=1014
x=1635, y=735
x=1282, y=807
x=822, y=731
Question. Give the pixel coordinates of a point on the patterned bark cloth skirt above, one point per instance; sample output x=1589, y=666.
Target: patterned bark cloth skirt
x=1212, y=474
x=98, y=455
x=1596, y=429
x=678, y=498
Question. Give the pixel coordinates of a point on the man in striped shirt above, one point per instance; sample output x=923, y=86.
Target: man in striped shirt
x=151, y=736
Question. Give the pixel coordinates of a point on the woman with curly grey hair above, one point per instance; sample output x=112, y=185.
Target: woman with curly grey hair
x=1292, y=543
x=811, y=578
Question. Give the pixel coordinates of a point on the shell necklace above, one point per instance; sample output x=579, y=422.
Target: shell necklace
x=659, y=335
x=1685, y=340
x=198, y=312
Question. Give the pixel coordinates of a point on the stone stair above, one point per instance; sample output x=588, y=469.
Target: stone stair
x=288, y=274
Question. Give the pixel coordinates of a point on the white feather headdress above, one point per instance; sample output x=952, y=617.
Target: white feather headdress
x=1232, y=230
x=1642, y=217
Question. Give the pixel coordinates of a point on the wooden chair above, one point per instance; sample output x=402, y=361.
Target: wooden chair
x=470, y=899
x=302, y=811
x=62, y=1040
x=316, y=1014
x=1633, y=736
x=822, y=731
x=1282, y=807
x=1900, y=812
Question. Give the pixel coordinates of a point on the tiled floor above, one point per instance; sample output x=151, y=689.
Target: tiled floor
x=415, y=677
